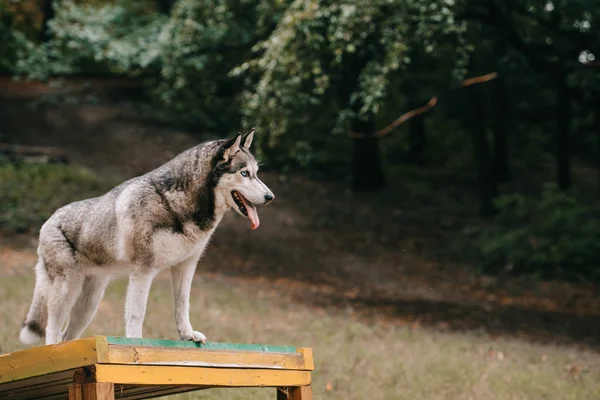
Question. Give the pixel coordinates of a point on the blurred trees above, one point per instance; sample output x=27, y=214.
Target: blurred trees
x=340, y=58
x=555, y=39
x=308, y=72
x=280, y=64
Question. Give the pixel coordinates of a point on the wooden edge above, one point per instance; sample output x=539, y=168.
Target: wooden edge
x=214, y=377
x=307, y=355
x=43, y=360
x=102, y=353
x=144, y=355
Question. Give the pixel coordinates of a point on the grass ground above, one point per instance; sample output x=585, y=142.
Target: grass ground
x=355, y=357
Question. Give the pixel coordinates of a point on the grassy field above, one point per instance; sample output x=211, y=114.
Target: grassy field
x=355, y=359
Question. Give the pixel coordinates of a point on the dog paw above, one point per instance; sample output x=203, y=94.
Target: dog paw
x=194, y=336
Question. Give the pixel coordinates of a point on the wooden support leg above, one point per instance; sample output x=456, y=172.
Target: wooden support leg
x=92, y=391
x=295, y=393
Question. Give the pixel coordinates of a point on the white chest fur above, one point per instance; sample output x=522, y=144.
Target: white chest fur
x=170, y=248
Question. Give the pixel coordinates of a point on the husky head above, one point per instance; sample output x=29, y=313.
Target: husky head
x=239, y=185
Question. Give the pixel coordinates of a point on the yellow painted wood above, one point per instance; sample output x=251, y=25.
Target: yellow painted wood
x=47, y=359
x=102, y=349
x=147, y=368
x=217, y=377
x=307, y=354
x=207, y=358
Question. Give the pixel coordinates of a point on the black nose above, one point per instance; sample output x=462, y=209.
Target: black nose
x=269, y=197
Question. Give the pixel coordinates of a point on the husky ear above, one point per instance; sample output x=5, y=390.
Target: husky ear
x=248, y=138
x=231, y=147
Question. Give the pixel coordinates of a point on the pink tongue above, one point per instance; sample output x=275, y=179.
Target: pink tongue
x=252, y=214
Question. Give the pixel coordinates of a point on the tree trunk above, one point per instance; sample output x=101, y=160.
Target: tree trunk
x=501, y=126
x=47, y=15
x=417, y=137
x=367, y=170
x=563, y=133
x=164, y=6
x=412, y=89
x=596, y=102
x=477, y=129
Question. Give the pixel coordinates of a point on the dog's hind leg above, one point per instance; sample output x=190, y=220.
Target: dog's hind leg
x=34, y=326
x=136, y=301
x=64, y=272
x=86, y=306
x=64, y=291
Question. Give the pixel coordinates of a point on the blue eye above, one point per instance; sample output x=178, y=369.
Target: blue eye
x=245, y=174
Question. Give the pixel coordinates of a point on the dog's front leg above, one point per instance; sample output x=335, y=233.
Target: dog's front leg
x=136, y=300
x=181, y=277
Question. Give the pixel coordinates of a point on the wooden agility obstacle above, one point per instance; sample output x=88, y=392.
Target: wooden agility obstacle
x=108, y=367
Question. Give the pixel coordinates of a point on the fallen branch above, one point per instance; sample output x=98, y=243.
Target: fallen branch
x=32, y=154
x=417, y=111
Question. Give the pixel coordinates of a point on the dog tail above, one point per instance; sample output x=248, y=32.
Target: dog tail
x=34, y=327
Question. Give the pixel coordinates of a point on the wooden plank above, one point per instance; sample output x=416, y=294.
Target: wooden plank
x=60, y=390
x=129, y=393
x=221, y=377
x=24, y=385
x=47, y=359
x=208, y=358
x=38, y=391
x=75, y=392
x=98, y=391
x=192, y=345
x=92, y=391
x=151, y=391
x=57, y=396
x=300, y=393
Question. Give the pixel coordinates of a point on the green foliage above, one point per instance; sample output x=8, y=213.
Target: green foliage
x=111, y=38
x=323, y=62
x=30, y=193
x=184, y=58
x=11, y=40
x=198, y=46
x=337, y=58
x=553, y=236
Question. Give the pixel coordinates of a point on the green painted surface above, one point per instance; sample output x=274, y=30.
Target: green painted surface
x=192, y=345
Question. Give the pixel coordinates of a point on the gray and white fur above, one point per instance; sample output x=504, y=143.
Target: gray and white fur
x=159, y=220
